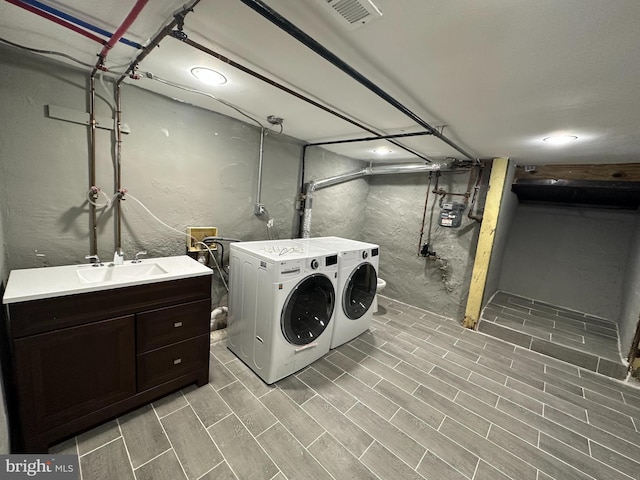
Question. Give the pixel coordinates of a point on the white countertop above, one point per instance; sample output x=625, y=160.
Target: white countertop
x=38, y=283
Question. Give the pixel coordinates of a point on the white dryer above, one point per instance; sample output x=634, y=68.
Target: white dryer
x=357, y=281
x=281, y=305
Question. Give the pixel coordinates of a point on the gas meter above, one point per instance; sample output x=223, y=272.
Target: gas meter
x=451, y=214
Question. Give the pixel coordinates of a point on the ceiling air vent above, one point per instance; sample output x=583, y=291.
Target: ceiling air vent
x=353, y=13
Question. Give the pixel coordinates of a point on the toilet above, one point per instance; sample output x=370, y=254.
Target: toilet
x=379, y=287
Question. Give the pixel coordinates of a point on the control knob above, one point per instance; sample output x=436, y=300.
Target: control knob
x=314, y=264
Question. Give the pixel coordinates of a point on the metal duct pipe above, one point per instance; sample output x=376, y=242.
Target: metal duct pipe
x=258, y=208
x=314, y=185
x=285, y=25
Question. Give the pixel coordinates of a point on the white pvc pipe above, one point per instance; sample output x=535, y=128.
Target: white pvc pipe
x=217, y=311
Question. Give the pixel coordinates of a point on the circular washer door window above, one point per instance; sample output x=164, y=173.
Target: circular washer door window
x=308, y=309
x=359, y=291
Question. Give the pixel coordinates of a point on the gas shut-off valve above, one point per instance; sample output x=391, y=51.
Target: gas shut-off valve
x=427, y=251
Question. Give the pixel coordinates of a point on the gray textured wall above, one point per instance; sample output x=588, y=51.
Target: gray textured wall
x=630, y=308
x=569, y=256
x=4, y=434
x=3, y=261
x=393, y=218
x=189, y=166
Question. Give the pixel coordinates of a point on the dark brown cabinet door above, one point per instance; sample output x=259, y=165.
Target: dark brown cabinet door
x=65, y=374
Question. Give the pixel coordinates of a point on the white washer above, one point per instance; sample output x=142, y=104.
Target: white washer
x=281, y=305
x=357, y=281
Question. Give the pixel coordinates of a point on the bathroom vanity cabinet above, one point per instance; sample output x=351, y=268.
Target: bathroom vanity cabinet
x=79, y=360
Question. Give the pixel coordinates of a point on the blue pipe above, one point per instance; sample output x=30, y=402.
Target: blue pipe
x=77, y=21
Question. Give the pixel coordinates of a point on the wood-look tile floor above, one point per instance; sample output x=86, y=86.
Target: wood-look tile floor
x=584, y=340
x=417, y=397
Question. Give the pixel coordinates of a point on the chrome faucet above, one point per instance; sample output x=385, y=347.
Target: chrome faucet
x=136, y=259
x=97, y=262
x=118, y=257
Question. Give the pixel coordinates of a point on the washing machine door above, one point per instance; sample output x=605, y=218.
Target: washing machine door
x=359, y=291
x=308, y=309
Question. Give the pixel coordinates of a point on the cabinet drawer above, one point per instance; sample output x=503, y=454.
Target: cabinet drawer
x=164, y=364
x=39, y=316
x=164, y=326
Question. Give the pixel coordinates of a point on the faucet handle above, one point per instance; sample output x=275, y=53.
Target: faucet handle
x=136, y=258
x=97, y=262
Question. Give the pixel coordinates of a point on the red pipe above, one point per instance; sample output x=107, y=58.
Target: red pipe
x=57, y=20
x=117, y=35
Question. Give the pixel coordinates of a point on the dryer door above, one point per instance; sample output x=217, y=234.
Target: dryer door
x=308, y=309
x=359, y=291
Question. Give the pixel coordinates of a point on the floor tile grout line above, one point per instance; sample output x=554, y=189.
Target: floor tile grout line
x=310, y=453
x=219, y=420
x=540, y=430
x=172, y=411
x=150, y=460
x=126, y=449
x=491, y=423
x=472, y=453
x=212, y=468
x=373, y=440
x=224, y=458
x=424, y=454
x=237, y=417
x=164, y=430
x=75, y=440
x=98, y=447
x=595, y=459
x=475, y=471
x=606, y=432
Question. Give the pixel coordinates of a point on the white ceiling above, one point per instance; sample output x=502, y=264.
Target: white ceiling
x=499, y=74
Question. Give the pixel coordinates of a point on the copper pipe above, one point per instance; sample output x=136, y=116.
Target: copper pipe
x=118, y=212
x=155, y=41
x=93, y=245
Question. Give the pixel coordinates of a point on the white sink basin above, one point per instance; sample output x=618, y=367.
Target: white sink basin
x=119, y=273
x=38, y=283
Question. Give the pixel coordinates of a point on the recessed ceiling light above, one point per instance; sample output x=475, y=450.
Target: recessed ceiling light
x=382, y=151
x=208, y=76
x=560, y=139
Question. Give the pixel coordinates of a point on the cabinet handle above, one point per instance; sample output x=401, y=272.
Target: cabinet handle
x=177, y=361
x=177, y=324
